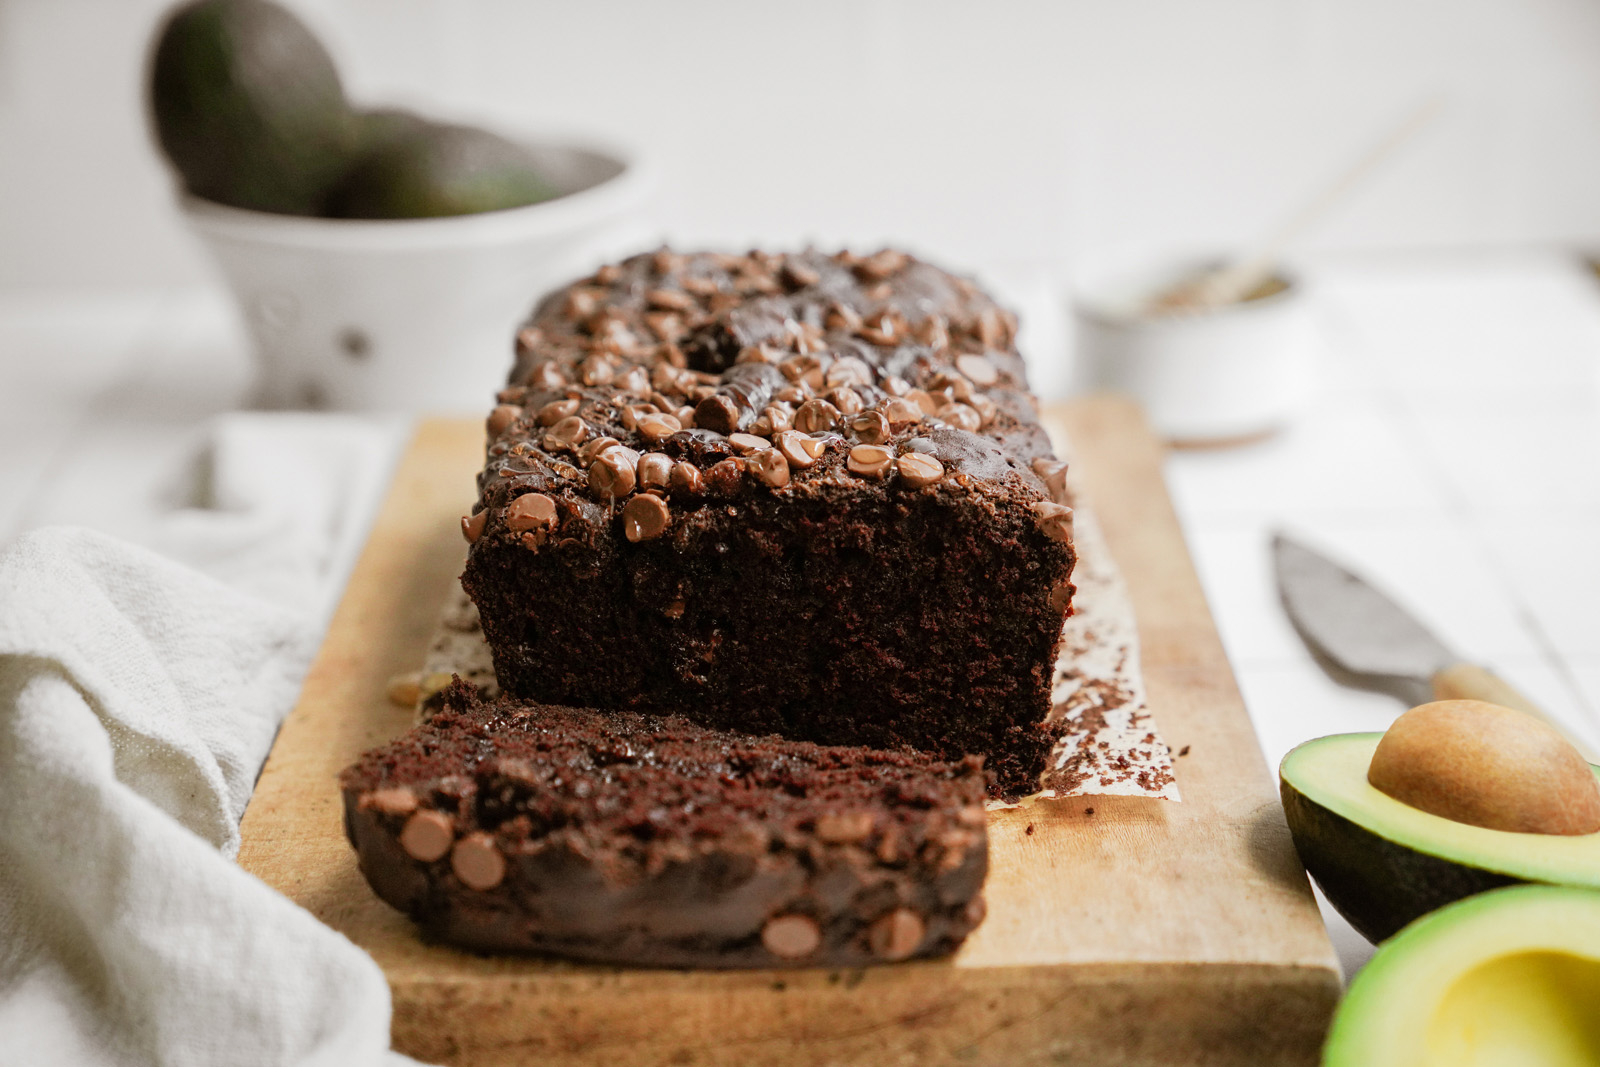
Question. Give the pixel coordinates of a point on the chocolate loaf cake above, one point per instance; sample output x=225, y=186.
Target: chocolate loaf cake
x=624, y=837
x=801, y=494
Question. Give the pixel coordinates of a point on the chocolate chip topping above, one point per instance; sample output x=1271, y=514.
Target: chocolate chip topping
x=1055, y=520
x=815, y=416
x=396, y=800
x=871, y=461
x=800, y=450
x=1054, y=474
x=531, y=511
x=654, y=472
x=791, y=937
x=770, y=468
x=501, y=418
x=472, y=526
x=645, y=518
x=557, y=410
x=979, y=368
x=746, y=443
x=870, y=428
x=918, y=469
x=686, y=480
x=427, y=835
x=477, y=861
x=611, y=475
x=897, y=934
x=566, y=434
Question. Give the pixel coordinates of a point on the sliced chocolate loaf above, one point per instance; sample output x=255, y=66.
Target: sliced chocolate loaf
x=794, y=494
x=628, y=838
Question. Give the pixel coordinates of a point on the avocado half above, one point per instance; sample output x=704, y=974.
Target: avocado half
x=1382, y=863
x=1508, y=977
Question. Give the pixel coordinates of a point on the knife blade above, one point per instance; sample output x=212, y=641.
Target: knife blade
x=1366, y=635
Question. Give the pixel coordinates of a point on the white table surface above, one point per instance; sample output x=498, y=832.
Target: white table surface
x=1451, y=452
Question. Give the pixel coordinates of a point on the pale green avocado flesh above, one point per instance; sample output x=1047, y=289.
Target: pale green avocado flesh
x=1508, y=978
x=1382, y=863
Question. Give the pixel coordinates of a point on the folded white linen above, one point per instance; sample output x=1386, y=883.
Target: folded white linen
x=137, y=702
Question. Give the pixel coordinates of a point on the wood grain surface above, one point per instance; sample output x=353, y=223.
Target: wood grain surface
x=1120, y=930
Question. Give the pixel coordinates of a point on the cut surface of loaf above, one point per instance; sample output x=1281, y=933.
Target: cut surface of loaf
x=797, y=494
x=513, y=826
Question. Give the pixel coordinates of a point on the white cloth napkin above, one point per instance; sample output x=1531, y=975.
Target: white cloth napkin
x=138, y=700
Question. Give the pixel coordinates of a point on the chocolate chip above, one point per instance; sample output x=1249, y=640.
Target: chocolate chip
x=557, y=410
x=478, y=862
x=529, y=338
x=645, y=518
x=880, y=265
x=717, y=412
x=798, y=450
x=596, y=370
x=1061, y=596
x=975, y=910
x=797, y=275
x=896, y=935
x=745, y=443
x=608, y=274
x=991, y=328
x=725, y=478
x=901, y=412
x=1053, y=472
x=657, y=428
x=934, y=332
x=427, y=835
x=395, y=800
x=791, y=937
x=843, y=317
x=870, y=427
x=918, y=469
x=870, y=461
x=844, y=828
x=980, y=369
x=501, y=418
x=654, y=472
x=568, y=433
x=816, y=415
x=686, y=480
x=594, y=447
x=848, y=401
x=634, y=381
x=472, y=526
x=775, y=418
x=669, y=299
x=986, y=409
x=611, y=475
x=1055, y=520
x=770, y=468
x=685, y=417
x=531, y=511
x=924, y=400
x=547, y=375
x=848, y=370
x=961, y=417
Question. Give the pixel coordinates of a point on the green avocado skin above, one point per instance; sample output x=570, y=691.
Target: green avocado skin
x=248, y=106
x=1379, y=886
x=411, y=168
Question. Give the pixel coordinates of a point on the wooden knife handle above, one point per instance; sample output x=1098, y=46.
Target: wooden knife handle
x=1467, y=681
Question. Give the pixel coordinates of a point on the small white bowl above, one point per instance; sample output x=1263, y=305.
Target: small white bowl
x=1231, y=373
x=416, y=314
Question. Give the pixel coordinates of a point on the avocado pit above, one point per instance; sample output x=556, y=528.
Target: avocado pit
x=1489, y=766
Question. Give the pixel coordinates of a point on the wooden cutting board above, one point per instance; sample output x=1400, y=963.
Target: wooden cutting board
x=1120, y=930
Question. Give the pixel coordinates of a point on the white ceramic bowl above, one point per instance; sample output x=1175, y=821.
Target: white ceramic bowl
x=1231, y=373
x=416, y=314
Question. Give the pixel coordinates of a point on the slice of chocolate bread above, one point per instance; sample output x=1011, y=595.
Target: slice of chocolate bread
x=803, y=494
x=627, y=838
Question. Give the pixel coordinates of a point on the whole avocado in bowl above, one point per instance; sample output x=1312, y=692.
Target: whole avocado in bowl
x=410, y=167
x=248, y=106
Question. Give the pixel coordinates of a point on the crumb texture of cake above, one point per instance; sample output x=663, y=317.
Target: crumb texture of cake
x=631, y=838
x=798, y=494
